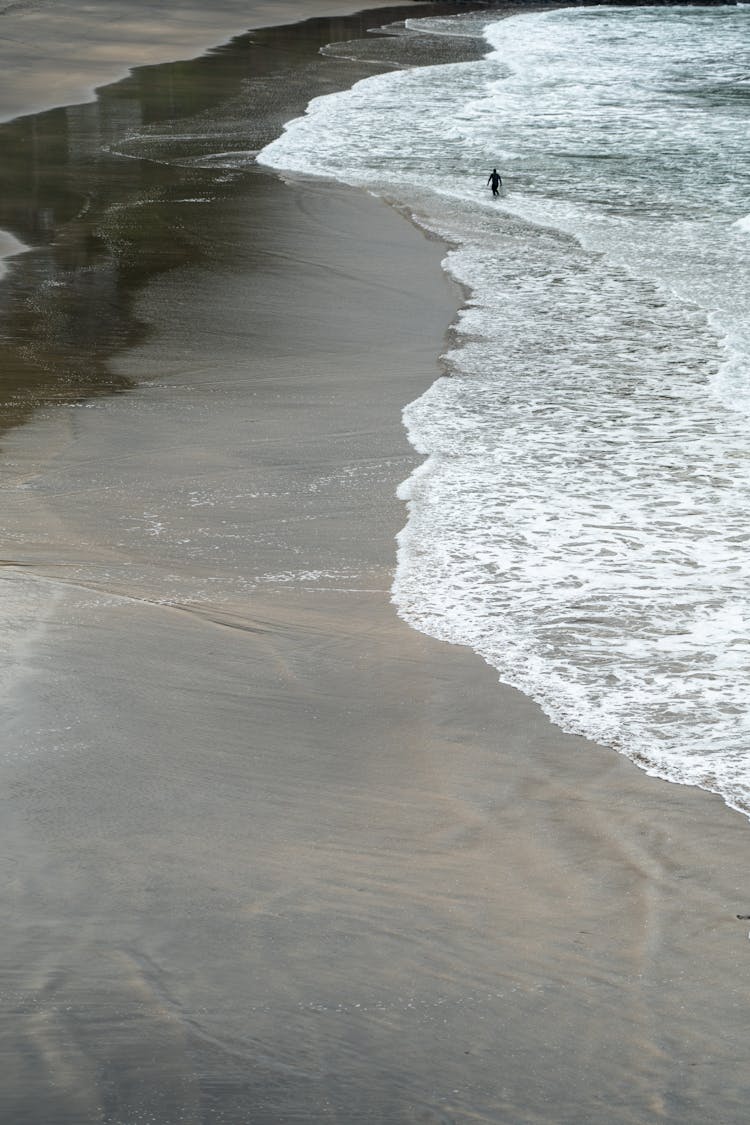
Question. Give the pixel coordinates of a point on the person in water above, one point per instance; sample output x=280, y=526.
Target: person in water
x=495, y=179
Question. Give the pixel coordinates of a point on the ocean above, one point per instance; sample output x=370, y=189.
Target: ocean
x=580, y=516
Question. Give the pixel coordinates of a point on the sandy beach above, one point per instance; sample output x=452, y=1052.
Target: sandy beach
x=269, y=855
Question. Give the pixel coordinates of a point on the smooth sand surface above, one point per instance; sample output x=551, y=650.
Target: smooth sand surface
x=270, y=855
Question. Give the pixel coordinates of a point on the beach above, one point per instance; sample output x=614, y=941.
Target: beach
x=269, y=854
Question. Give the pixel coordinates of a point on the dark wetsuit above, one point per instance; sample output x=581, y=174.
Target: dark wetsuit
x=495, y=179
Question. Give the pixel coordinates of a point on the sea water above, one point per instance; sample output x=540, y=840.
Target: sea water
x=581, y=515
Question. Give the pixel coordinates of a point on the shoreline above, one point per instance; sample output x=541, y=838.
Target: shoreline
x=272, y=854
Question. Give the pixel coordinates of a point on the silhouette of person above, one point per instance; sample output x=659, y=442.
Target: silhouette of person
x=495, y=179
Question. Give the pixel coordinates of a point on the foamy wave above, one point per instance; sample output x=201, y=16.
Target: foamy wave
x=566, y=523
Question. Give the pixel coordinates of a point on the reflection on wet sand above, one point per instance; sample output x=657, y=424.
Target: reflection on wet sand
x=98, y=192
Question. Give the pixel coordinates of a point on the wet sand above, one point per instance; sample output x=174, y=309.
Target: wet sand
x=269, y=854
x=57, y=54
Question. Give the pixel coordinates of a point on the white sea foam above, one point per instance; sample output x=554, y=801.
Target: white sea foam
x=581, y=518
x=462, y=26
